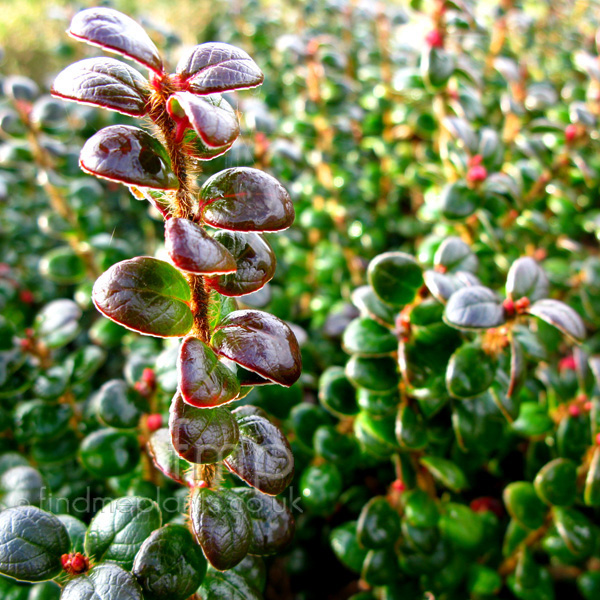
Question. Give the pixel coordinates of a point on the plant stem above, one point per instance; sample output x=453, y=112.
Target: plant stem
x=183, y=201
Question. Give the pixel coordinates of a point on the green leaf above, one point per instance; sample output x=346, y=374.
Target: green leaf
x=118, y=530
x=103, y=581
x=63, y=265
x=560, y=315
x=76, y=530
x=533, y=420
x=378, y=524
x=470, y=371
x=263, y=458
x=369, y=305
x=169, y=564
x=395, y=277
x=246, y=199
x=227, y=586
x=345, y=545
x=526, y=279
x=336, y=393
x=58, y=322
x=104, y=82
x=204, y=381
x=411, y=432
x=118, y=405
x=523, y=504
x=271, y=521
x=420, y=509
x=221, y=525
x=380, y=567
x=32, y=543
x=193, y=250
x=320, y=488
x=36, y=420
x=366, y=337
x=437, y=66
x=475, y=307
x=463, y=527
x=455, y=255
x=146, y=295
x=556, y=482
x=201, y=435
x=107, y=452
x=576, y=531
x=445, y=472
x=459, y=201
x=442, y=286
x=21, y=485
x=591, y=492
x=374, y=374
x=261, y=343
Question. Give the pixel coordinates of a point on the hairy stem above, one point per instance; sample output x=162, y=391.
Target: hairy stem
x=183, y=202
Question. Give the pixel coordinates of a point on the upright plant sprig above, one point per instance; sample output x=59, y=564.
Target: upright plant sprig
x=194, y=296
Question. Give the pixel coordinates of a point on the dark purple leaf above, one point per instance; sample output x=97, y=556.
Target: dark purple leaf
x=104, y=82
x=167, y=460
x=255, y=264
x=216, y=67
x=561, y=316
x=204, y=381
x=213, y=118
x=202, y=436
x=221, y=525
x=263, y=458
x=113, y=31
x=147, y=295
x=260, y=342
x=193, y=250
x=272, y=522
x=246, y=199
x=128, y=155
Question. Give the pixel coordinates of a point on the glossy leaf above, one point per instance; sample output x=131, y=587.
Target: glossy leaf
x=369, y=305
x=147, y=295
x=116, y=32
x=336, y=393
x=366, y=337
x=446, y=472
x=470, y=371
x=128, y=155
x=455, y=255
x=215, y=67
x=526, y=279
x=108, y=452
x=263, y=458
x=344, y=543
x=459, y=201
x=271, y=521
x=193, y=250
x=104, y=82
x=204, y=381
x=374, y=374
x=591, y=492
x=556, y=482
x=202, y=436
x=118, y=530
x=378, y=525
x=246, y=199
x=166, y=459
x=320, y=488
x=474, y=307
x=228, y=585
x=576, y=531
x=255, y=264
x=524, y=505
x=58, y=322
x=560, y=315
x=32, y=543
x=395, y=277
x=221, y=525
x=261, y=343
x=169, y=565
x=103, y=581
x=442, y=286
x=410, y=429
x=211, y=117
x=118, y=405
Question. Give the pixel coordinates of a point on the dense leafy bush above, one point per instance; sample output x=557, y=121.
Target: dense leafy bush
x=441, y=279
